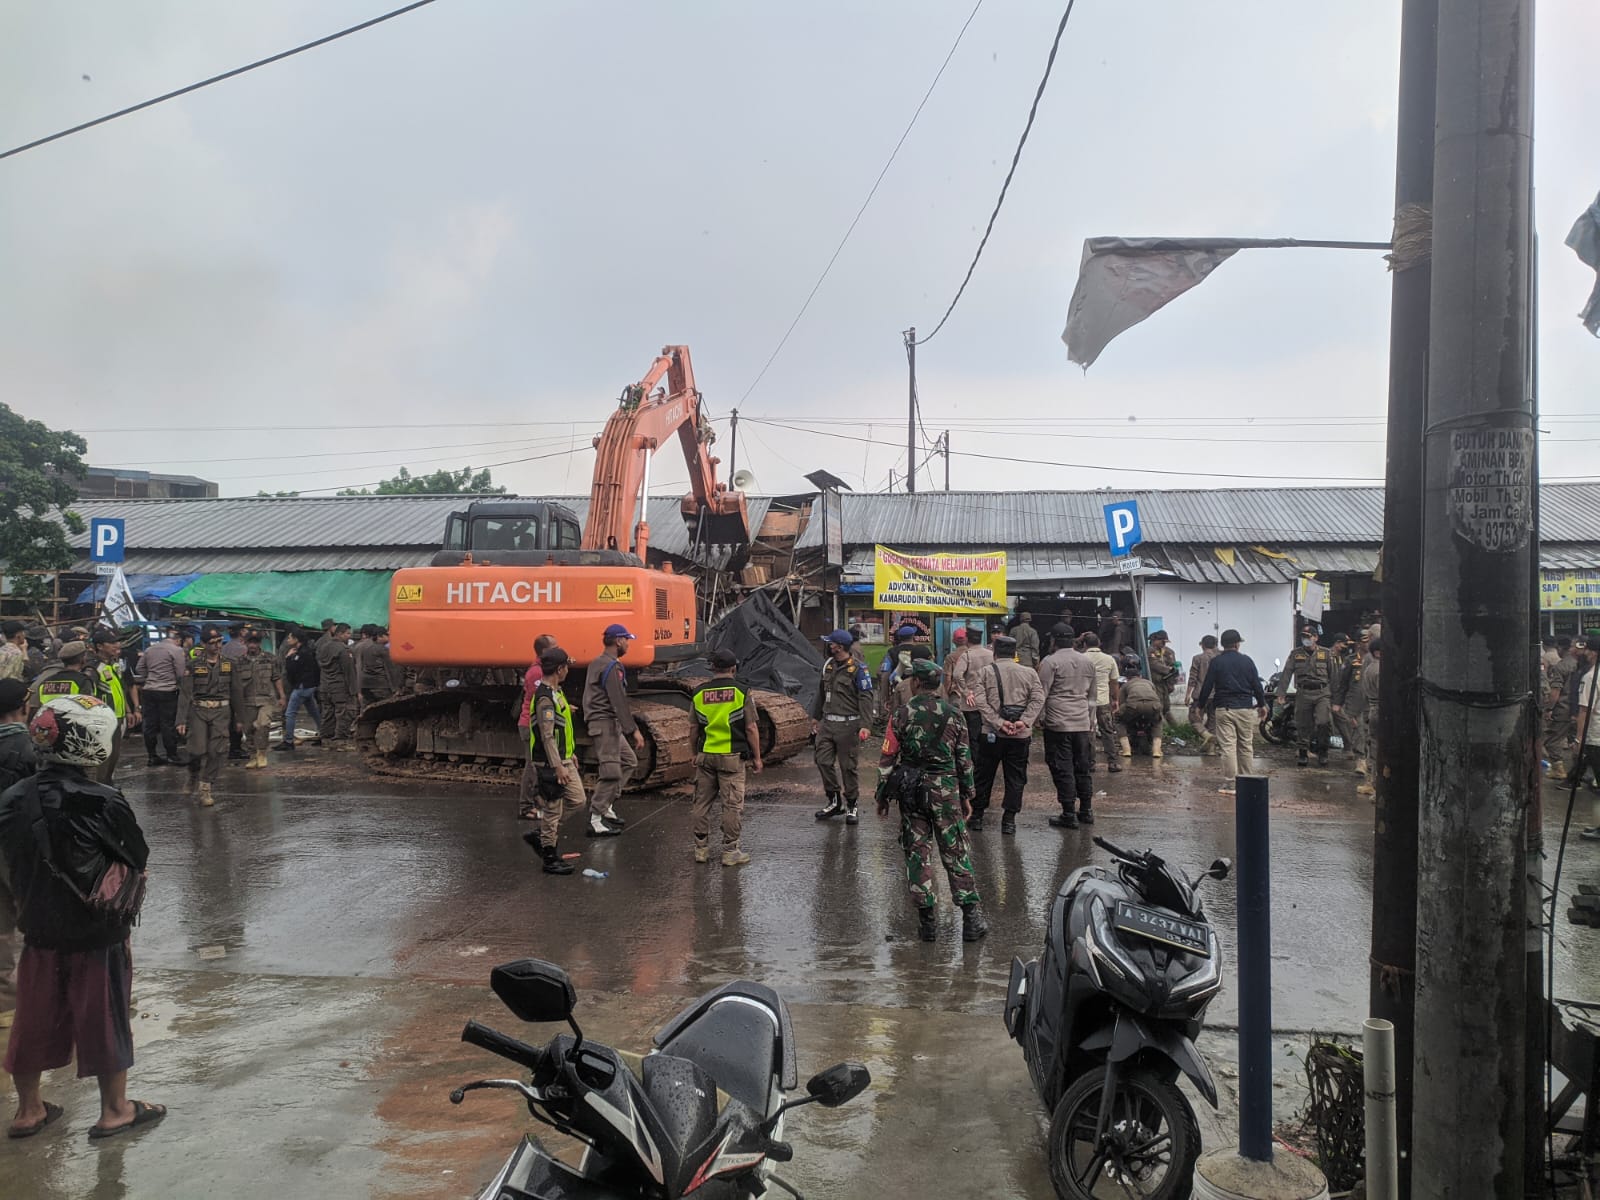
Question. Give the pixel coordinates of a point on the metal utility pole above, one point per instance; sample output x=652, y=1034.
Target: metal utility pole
x=733, y=444
x=944, y=441
x=1474, y=707
x=1394, y=857
x=911, y=410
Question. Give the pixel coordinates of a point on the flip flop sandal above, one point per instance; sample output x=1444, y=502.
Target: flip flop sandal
x=143, y=1114
x=51, y=1112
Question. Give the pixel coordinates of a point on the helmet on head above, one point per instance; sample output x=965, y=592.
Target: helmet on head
x=77, y=730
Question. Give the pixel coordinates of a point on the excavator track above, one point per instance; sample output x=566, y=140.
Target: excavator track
x=469, y=734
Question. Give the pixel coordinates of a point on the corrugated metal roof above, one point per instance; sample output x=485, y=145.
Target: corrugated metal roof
x=1226, y=516
x=304, y=533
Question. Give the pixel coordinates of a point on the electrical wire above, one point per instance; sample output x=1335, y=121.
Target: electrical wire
x=860, y=212
x=431, y=460
x=1015, y=158
x=195, y=87
x=530, y=443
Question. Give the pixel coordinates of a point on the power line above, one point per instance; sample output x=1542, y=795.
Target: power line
x=1046, y=462
x=530, y=443
x=195, y=87
x=837, y=250
x=1015, y=158
x=482, y=467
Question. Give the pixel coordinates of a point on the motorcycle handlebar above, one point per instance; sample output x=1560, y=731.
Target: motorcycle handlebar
x=1116, y=852
x=506, y=1047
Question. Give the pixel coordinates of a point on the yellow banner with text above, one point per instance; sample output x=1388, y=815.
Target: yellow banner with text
x=956, y=583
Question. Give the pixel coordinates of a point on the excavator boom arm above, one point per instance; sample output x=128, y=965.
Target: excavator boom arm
x=645, y=419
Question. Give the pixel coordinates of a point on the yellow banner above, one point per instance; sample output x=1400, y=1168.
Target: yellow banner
x=956, y=583
x=1569, y=589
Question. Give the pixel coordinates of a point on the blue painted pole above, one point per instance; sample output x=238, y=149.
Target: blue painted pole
x=1254, y=875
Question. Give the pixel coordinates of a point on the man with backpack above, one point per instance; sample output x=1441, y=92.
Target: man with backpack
x=75, y=857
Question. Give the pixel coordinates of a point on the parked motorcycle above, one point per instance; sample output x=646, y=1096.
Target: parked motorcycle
x=701, y=1115
x=1107, y=1020
x=1278, y=725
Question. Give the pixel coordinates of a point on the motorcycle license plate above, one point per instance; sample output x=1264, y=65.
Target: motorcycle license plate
x=1189, y=936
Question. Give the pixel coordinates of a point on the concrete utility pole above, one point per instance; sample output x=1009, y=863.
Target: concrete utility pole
x=1475, y=710
x=1394, y=855
x=911, y=411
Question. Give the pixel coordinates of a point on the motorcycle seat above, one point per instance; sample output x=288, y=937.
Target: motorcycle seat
x=733, y=1040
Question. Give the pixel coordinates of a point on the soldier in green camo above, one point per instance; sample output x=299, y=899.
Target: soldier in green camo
x=927, y=768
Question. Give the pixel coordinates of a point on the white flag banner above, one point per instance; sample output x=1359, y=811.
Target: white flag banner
x=1121, y=281
x=1585, y=242
x=119, y=608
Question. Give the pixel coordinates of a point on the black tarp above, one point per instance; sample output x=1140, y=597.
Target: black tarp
x=772, y=653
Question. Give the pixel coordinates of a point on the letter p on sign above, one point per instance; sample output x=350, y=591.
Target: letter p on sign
x=1122, y=527
x=106, y=540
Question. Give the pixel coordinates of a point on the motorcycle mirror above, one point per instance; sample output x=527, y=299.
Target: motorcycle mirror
x=1220, y=868
x=839, y=1084
x=534, y=990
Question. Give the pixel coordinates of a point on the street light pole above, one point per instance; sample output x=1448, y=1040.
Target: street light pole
x=911, y=409
x=1475, y=711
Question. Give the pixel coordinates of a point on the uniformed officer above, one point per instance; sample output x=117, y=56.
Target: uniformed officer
x=1163, y=670
x=234, y=649
x=210, y=705
x=728, y=734
x=1349, y=699
x=69, y=676
x=552, y=759
x=1027, y=638
x=1311, y=667
x=263, y=695
x=841, y=719
x=1558, y=726
x=338, y=672
x=906, y=687
x=111, y=685
x=926, y=767
x=1368, y=687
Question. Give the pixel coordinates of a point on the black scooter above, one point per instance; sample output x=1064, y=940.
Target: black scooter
x=1107, y=1020
x=701, y=1115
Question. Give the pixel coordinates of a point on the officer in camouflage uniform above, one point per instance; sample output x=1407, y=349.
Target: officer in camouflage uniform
x=927, y=768
x=1311, y=667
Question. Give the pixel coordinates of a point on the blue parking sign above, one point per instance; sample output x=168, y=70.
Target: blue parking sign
x=1122, y=527
x=107, y=542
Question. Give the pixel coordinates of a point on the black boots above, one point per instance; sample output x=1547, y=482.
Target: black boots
x=973, y=926
x=1066, y=820
x=975, y=822
x=1008, y=823
x=1086, y=815
x=1300, y=759
x=833, y=808
x=927, y=923
x=851, y=816
x=553, y=864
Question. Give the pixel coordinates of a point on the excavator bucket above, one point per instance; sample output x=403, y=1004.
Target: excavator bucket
x=725, y=522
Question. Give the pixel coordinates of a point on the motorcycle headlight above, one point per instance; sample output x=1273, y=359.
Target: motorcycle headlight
x=1207, y=979
x=1104, y=947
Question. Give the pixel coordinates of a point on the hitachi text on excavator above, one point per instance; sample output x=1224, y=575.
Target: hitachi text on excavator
x=511, y=570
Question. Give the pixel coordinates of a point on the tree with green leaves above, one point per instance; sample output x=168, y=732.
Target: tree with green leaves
x=39, y=473
x=439, y=483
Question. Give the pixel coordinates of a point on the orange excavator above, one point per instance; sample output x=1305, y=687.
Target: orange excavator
x=511, y=570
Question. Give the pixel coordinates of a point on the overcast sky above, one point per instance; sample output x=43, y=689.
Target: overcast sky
x=462, y=232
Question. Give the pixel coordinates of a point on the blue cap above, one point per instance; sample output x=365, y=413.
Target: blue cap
x=906, y=632
x=840, y=637
x=617, y=631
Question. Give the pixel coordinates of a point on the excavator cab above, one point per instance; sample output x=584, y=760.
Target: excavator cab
x=521, y=533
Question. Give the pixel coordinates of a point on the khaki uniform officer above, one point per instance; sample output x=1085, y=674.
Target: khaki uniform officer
x=262, y=676
x=210, y=704
x=1311, y=667
x=841, y=718
x=552, y=759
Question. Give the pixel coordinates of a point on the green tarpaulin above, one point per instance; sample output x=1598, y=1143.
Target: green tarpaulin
x=297, y=597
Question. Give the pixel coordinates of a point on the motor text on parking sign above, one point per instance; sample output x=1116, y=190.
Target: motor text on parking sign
x=1123, y=532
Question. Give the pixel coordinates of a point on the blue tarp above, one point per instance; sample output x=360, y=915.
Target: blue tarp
x=145, y=587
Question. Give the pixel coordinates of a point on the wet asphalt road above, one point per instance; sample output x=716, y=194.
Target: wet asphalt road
x=312, y=946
